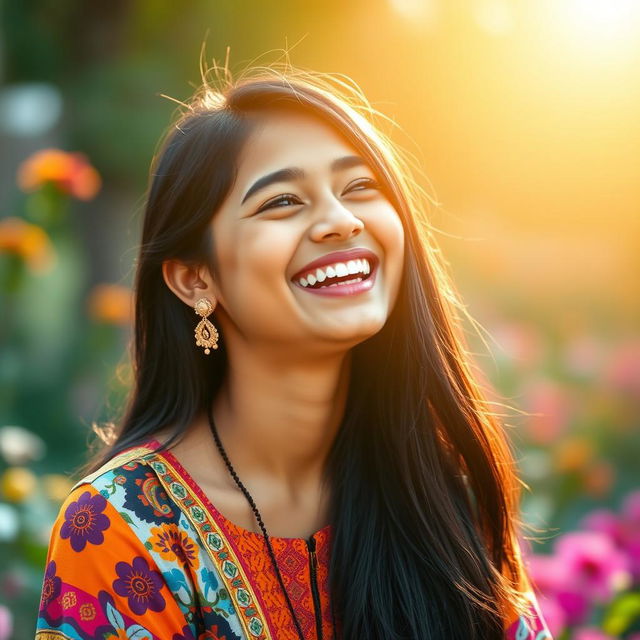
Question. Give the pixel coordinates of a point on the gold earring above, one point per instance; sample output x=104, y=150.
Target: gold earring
x=206, y=334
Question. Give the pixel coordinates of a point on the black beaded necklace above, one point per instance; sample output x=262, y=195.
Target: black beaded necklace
x=234, y=475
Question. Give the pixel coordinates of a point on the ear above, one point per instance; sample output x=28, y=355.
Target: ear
x=189, y=282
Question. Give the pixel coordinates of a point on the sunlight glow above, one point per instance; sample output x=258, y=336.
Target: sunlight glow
x=602, y=20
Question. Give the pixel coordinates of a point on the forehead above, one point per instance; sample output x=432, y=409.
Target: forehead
x=289, y=139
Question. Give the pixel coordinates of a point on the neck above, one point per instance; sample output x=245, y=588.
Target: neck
x=278, y=420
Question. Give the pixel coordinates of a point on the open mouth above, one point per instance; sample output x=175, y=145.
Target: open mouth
x=339, y=274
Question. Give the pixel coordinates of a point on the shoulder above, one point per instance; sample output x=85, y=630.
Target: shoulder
x=128, y=484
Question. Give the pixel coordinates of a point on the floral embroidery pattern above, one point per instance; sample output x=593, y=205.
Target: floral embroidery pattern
x=140, y=584
x=85, y=522
x=87, y=611
x=174, y=544
x=50, y=586
x=68, y=600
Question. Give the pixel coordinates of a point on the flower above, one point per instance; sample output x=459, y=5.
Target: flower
x=28, y=241
x=111, y=304
x=18, y=483
x=597, y=569
x=85, y=522
x=623, y=529
x=573, y=454
x=209, y=580
x=623, y=369
x=87, y=611
x=519, y=344
x=71, y=173
x=51, y=585
x=551, y=406
x=547, y=572
x=140, y=584
x=174, y=544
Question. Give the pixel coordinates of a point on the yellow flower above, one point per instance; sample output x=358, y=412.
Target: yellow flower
x=29, y=241
x=56, y=486
x=111, y=304
x=71, y=173
x=17, y=484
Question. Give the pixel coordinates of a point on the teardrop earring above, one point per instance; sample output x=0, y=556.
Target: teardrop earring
x=206, y=334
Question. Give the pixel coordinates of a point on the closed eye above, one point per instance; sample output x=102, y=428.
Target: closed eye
x=285, y=198
x=279, y=201
x=366, y=183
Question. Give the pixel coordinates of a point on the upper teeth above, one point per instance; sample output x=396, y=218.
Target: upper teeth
x=338, y=269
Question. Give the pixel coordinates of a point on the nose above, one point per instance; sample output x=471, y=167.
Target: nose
x=336, y=222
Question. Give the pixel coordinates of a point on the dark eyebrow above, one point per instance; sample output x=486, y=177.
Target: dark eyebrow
x=292, y=174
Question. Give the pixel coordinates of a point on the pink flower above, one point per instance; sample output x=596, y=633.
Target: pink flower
x=631, y=507
x=548, y=573
x=597, y=568
x=631, y=531
x=576, y=606
x=552, y=408
x=623, y=530
x=519, y=344
x=623, y=369
x=591, y=633
x=604, y=521
x=552, y=577
x=583, y=355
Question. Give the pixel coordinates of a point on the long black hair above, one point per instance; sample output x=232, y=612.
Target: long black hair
x=424, y=491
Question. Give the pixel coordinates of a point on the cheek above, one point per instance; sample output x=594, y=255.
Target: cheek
x=386, y=226
x=253, y=263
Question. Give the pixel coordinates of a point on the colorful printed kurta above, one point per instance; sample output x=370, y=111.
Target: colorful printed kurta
x=139, y=552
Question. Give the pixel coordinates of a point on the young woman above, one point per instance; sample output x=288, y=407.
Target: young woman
x=308, y=457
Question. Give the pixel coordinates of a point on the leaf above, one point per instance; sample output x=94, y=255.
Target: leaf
x=126, y=517
x=137, y=632
x=622, y=613
x=114, y=617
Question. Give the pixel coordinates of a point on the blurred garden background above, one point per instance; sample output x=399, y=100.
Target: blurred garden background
x=523, y=117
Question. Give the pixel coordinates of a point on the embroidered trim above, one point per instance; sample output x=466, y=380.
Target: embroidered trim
x=252, y=619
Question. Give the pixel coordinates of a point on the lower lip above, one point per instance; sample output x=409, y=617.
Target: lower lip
x=344, y=289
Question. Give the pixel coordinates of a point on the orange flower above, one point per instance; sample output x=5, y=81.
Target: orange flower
x=71, y=173
x=27, y=240
x=573, y=454
x=111, y=304
x=174, y=544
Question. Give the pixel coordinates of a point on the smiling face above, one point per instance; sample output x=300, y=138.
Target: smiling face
x=302, y=193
